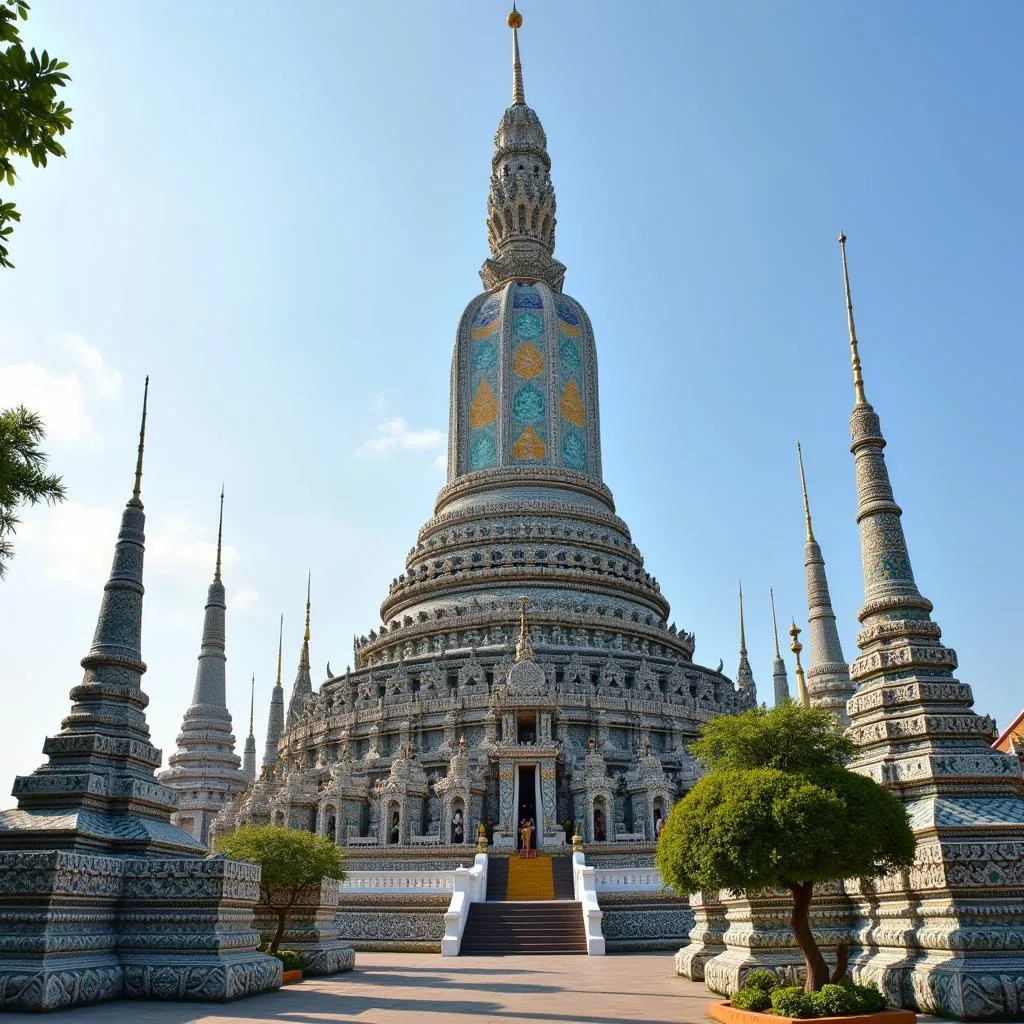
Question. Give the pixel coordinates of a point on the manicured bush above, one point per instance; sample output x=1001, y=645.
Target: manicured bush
x=834, y=1001
x=763, y=979
x=867, y=999
x=755, y=999
x=290, y=960
x=791, y=1001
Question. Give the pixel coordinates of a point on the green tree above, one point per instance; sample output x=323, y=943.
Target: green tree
x=778, y=809
x=290, y=859
x=22, y=477
x=31, y=116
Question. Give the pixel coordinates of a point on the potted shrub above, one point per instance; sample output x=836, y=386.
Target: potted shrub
x=779, y=809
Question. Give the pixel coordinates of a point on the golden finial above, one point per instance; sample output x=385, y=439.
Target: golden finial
x=136, y=498
x=803, y=486
x=858, y=380
x=280, y=642
x=252, y=701
x=220, y=533
x=305, y=636
x=796, y=647
x=515, y=21
x=524, y=651
x=775, y=625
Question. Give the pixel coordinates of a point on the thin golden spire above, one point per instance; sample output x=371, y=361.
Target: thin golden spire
x=803, y=486
x=775, y=625
x=858, y=380
x=743, y=635
x=136, y=498
x=515, y=21
x=309, y=579
x=280, y=642
x=796, y=647
x=220, y=534
x=524, y=650
x=252, y=702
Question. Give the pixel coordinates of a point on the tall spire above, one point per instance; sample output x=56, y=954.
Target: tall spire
x=796, y=647
x=803, y=486
x=97, y=791
x=521, y=200
x=858, y=379
x=275, y=719
x=136, y=498
x=220, y=533
x=745, y=674
x=303, y=686
x=515, y=21
x=914, y=729
x=204, y=768
x=249, y=757
x=828, y=675
x=780, y=680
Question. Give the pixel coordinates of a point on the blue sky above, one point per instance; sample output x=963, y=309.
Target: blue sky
x=280, y=217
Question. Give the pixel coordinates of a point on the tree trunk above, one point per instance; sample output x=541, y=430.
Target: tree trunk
x=282, y=917
x=842, y=962
x=817, y=969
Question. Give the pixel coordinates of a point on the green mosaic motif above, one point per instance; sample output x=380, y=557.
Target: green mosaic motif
x=485, y=356
x=528, y=406
x=574, y=451
x=528, y=326
x=483, y=451
x=570, y=355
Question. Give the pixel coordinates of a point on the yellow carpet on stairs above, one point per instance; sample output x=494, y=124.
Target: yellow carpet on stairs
x=530, y=878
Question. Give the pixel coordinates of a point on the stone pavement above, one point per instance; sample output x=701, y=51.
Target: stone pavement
x=424, y=988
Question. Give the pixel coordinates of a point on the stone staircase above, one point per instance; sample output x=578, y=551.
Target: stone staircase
x=544, y=927
x=529, y=909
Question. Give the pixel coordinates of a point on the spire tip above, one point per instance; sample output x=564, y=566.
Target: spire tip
x=858, y=378
x=136, y=498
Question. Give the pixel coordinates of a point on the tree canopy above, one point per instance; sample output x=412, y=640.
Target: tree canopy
x=290, y=860
x=31, y=116
x=23, y=480
x=778, y=810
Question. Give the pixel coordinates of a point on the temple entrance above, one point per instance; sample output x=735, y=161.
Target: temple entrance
x=527, y=801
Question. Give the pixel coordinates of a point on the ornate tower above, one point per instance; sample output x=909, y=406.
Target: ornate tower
x=745, y=674
x=249, y=757
x=97, y=791
x=204, y=770
x=275, y=720
x=780, y=681
x=947, y=936
x=828, y=675
x=303, y=686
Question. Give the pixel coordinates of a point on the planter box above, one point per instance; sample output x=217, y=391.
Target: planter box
x=727, y=1014
x=290, y=977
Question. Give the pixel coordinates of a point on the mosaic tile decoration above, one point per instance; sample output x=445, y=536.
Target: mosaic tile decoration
x=484, y=407
x=573, y=406
x=530, y=371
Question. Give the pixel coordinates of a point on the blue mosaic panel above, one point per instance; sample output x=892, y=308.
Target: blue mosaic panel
x=574, y=401
x=530, y=441
x=483, y=408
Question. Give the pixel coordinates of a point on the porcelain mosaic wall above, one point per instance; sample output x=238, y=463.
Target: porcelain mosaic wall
x=484, y=405
x=573, y=408
x=529, y=378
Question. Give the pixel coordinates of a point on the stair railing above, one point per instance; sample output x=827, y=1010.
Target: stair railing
x=584, y=889
x=469, y=886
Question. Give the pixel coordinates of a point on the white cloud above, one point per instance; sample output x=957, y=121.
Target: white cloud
x=441, y=462
x=244, y=599
x=59, y=400
x=107, y=380
x=395, y=434
x=76, y=543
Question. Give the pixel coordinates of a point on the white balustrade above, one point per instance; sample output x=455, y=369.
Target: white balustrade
x=360, y=882
x=628, y=880
x=469, y=886
x=585, y=892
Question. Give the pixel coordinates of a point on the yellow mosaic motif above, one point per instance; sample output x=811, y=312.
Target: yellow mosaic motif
x=529, y=446
x=572, y=404
x=481, y=332
x=568, y=328
x=484, y=407
x=527, y=361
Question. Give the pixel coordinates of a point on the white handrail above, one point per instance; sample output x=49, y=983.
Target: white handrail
x=628, y=880
x=469, y=885
x=585, y=892
x=357, y=882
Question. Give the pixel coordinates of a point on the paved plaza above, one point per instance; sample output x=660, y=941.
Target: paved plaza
x=417, y=988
